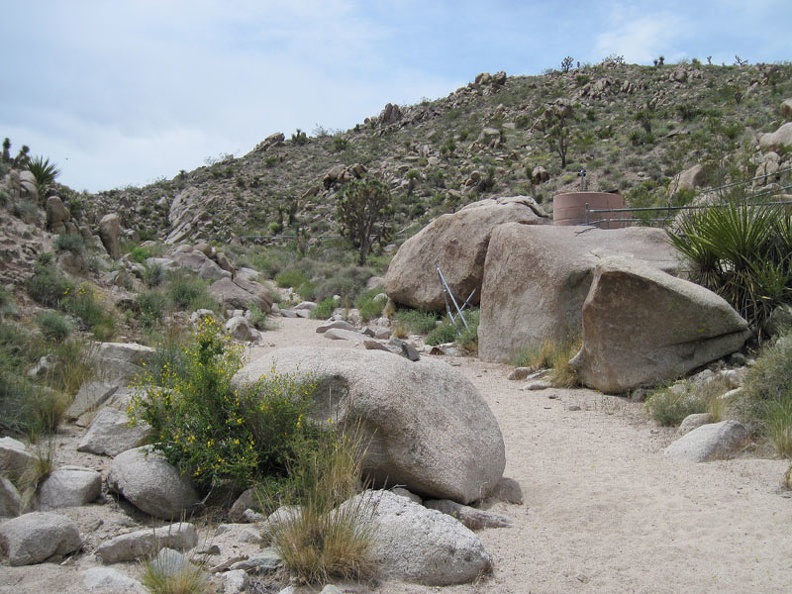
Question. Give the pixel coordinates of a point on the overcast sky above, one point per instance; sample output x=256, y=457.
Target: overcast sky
x=124, y=92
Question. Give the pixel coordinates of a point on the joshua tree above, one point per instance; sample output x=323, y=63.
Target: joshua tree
x=554, y=123
x=23, y=158
x=7, y=150
x=364, y=212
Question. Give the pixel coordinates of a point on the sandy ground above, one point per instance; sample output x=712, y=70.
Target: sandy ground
x=604, y=510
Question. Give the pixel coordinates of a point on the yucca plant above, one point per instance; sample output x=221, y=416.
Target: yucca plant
x=742, y=253
x=44, y=173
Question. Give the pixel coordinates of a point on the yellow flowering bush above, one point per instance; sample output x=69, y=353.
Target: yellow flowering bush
x=216, y=433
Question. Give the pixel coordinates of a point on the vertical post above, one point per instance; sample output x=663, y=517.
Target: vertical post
x=587, y=213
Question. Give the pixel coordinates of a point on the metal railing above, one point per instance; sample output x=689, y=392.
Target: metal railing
x=671, y=211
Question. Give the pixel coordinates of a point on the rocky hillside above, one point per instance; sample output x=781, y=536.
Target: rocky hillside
x=632, y=128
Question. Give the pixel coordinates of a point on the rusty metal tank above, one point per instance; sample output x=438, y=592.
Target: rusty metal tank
x=575, y=208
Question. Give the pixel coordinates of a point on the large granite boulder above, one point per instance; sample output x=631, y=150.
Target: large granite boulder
x=426, y=425
x=111, y=433
x=147, y=481
x=123, y=362
x=110, y=234
x=419, y=545
x=778, y=139
x=239, y=293
x=642, y=326
x=458, y=244
x=36, y=537
x=536, y=279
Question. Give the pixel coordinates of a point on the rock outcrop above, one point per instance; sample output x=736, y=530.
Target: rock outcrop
x=642, y=326
x=536, y=279
x=457, y=243
x=400, y=406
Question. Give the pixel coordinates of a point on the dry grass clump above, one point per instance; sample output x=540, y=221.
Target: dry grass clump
x=766, y=399
x=553, y=355
x=317, y=539
x=189, y=579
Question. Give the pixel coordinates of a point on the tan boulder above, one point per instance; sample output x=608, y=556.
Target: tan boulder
x=110, y=234
x=458, y=244
x=536, y=279
x=780, y=138
x=786, y=109
x=425, y=425
x=642, y=326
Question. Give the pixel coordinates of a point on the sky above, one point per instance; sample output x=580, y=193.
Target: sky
x=127, y=92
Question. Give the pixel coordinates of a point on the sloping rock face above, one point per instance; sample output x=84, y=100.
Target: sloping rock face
x=536, y=279
x=642, y=326
x=426, y=426
x=420, y=545
x=458, y=244
x=241, y=294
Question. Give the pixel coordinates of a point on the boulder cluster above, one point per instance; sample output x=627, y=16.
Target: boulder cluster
x=618, y=291
x=423, y=525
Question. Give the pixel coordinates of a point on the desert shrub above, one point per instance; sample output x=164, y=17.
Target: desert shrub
x=414, y=321
x=53, y=325
x=290, y=278
x=258, y=318
x=75, y=364
x=307, y=290
x=670, y=405
x=324, y=309
x=153, y=304
x=189, y=292
x=46, y=285
x=16, y=396
x=442, y=333
x=26, y=211
x=84, y=304
x=740, y=252
x=319, y=541
x=370, y=304
x=140, y=254
x=345, y=282
x=153, y=275
x=69, y=242
x=765, y=403
x=468, y=335
x=270, y=261
x=217, y=434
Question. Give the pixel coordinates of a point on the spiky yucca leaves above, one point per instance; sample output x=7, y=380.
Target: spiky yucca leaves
x=45, y=173
x=742, y=253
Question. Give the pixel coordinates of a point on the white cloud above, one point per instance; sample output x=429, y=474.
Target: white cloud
x=640, y=37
